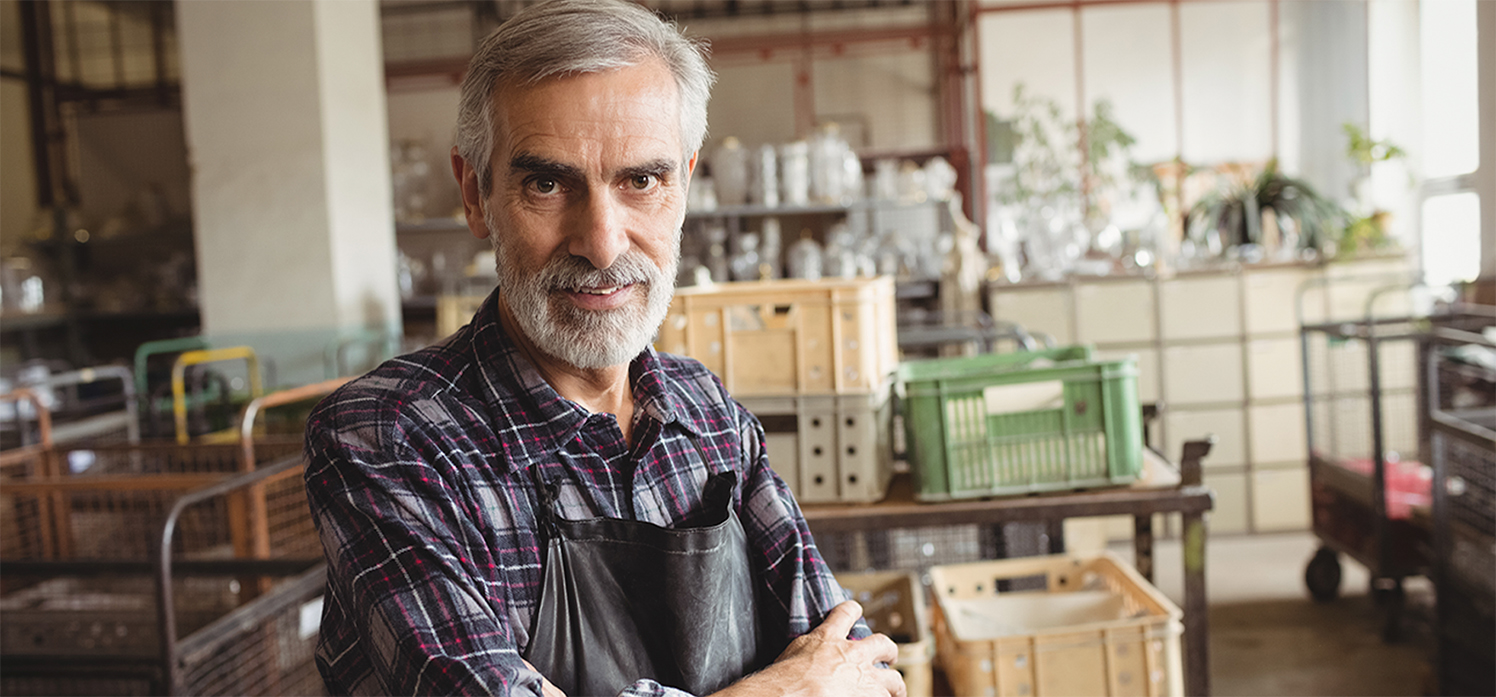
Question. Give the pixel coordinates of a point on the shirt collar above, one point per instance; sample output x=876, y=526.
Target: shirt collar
x=531, y=419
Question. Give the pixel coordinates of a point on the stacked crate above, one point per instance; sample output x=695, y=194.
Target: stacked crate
x=813, y=361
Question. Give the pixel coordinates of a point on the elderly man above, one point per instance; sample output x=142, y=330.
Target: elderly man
x=541, y=504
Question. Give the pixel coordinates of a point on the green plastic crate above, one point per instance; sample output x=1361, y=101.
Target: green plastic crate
x=1015, y=423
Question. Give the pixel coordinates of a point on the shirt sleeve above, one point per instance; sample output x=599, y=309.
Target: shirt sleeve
x=407, y=613
x=802, y=587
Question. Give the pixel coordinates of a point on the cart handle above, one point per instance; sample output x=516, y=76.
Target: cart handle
x=275, y=399
x=43, y=424
x=179, y=380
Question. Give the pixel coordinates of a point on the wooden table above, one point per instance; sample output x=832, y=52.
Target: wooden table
x=1161, y=489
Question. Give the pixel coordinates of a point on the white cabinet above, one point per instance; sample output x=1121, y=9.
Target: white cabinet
x=1203, y=374
x=1115, y=312
x=1046, y=309
x=1280, y=499
x=1275, y=369
x=1278, y=433
x=1272, y=299
x=1200, y=307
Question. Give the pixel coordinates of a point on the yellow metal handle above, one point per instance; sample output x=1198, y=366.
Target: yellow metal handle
x=179, y=378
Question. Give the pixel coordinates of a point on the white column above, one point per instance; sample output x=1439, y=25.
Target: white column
x=285, y=120
x=1485, y=182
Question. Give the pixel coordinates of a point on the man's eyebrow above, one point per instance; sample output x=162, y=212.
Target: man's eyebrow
x=535, y=164
x=657, y=168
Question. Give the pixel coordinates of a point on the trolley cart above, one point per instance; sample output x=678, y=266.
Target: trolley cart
x=1461, y=375
x=82, y=410
x=155, y=395
x=79, y=583
x=179, y=383
x=1369, y=484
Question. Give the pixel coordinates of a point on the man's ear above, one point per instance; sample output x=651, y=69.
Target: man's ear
x=472, y=198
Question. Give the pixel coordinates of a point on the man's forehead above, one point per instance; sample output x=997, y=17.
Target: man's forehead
x=632, y=108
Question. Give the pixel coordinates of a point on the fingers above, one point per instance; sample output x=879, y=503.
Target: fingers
x=892, y=681
x=878, y=648
x=838, y=622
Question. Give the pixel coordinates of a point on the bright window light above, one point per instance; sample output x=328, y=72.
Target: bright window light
x=1450, y=105
x=1451, y=238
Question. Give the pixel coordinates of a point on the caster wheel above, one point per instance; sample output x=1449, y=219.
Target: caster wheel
x=1322, y=575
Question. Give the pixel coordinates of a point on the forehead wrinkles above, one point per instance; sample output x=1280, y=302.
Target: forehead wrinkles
x=630, y=112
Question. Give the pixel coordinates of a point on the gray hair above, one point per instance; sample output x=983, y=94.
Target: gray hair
x=569, y=37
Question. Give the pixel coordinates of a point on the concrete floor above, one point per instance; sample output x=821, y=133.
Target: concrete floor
x=1268, y=638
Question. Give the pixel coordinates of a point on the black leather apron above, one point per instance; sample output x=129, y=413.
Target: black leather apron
x=624, y=600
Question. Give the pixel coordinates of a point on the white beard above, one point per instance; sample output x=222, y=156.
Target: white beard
x=586, y=339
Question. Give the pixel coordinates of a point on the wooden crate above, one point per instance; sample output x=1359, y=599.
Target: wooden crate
x=789, y=336
x=1084, y=626
x=829, y=448
x=893, y=603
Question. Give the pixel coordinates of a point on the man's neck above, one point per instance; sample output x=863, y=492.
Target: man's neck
x=600, y=390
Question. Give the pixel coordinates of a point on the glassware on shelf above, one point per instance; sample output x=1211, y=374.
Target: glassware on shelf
x=730, y=172
x=803, y=258
x=701, y=197
x=744, y=263
x=794, y=170
x=409, y=180
x=912, y=183
x=765, y=170
x=826, y=164
x=771, y=248
x=940, y=179
x=716, y=252
x=886, y=179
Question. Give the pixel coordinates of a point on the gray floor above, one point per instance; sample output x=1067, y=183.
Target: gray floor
x=1268, y=638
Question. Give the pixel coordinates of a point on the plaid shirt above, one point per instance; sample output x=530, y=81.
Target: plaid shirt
x=418, y=486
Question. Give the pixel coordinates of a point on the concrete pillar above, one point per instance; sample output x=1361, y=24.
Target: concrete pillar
x=285, y=119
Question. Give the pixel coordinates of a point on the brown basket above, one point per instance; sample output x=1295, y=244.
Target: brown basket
x=893, y=603
x=1088, y=626
x=830, y=336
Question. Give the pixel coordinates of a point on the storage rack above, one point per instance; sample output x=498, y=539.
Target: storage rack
x=1462, y=445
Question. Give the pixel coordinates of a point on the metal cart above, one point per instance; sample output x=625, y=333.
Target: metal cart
x=1461, y=375
x=1369, y=481
x=103, y=571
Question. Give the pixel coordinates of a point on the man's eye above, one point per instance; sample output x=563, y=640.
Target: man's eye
x=643, y=182
x=545, y=186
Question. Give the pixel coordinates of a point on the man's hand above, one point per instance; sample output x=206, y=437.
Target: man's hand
x=825, y=663
x=546, y=688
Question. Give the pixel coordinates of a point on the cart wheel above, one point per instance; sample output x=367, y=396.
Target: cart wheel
x=1322, y=575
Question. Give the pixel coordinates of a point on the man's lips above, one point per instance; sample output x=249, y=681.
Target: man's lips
x=600, y=297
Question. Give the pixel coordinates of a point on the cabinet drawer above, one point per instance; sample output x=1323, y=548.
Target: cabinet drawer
x=1275, y=368
x=1115, y=312
x=1278, y=433
x=1200, y=308
x=1203, y=374
x=1044, y=310
x=1280, y=500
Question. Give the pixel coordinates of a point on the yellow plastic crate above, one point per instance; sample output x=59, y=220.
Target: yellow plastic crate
x=791, y=336
x=1093, y=627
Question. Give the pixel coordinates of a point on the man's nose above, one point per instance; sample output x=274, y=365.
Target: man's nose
x=599, y=234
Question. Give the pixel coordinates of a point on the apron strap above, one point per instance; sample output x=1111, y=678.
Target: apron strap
x=545, y=503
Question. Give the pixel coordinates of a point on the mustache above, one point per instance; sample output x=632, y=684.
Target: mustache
x=569, y=272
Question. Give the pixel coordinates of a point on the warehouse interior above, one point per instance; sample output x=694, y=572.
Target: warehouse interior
x=1273, y=220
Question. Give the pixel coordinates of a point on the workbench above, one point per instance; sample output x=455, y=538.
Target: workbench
x=1161, y=489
